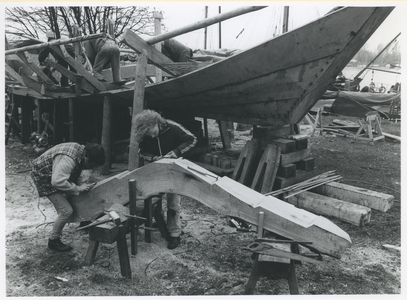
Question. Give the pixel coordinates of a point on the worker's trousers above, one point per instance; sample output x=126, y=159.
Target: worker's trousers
x=173, y=214
x=108, y=53
x=64, y=210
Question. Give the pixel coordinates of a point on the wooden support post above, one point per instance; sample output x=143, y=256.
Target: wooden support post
x=260, y=226
x=138, y=105
x=123, y=252
x=224, y=134
x=292, y=276
x=26, y=114
x=107, y=133
x=71, y=118
x=148, y=212
x=91, y=253
x=157, y=30
x=133, y=210
x=254, y=277
x=58, y=122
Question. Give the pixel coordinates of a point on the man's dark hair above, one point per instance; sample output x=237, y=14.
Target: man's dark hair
x=96, y=153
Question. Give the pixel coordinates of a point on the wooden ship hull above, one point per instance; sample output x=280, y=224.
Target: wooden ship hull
x=222, y=194
x=275, y=83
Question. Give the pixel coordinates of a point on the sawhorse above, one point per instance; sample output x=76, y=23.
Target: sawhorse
x=262, y=248
x=367, y=125
x=109, y=234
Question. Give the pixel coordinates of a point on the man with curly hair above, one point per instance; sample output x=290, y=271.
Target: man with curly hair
x=162, y=138
x=56, y=174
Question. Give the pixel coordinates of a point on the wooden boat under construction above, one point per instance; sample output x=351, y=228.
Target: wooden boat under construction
x=273, y=84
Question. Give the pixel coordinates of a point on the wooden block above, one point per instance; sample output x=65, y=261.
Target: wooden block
x=306, y=164
x=207, y=159
x=301, y=144
x=286, y=145
x=287, y=171
x=300, y=175
x=361, y=196
x=105, y=233
x=345, y=211
x=270, y=134
x=294, y=157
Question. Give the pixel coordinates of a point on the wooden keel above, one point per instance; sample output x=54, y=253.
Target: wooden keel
x=222, y=194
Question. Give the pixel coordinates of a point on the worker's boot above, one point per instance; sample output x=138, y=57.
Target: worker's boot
x=174, y=242
x=57, y=245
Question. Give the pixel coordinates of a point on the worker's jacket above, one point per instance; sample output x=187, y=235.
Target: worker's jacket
x=172, y=137
x=176, y=51
x=41, y=172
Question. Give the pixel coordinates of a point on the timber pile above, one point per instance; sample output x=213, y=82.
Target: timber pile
x=324, y=196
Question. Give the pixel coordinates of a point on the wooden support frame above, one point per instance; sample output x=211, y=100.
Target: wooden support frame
x=267, y=169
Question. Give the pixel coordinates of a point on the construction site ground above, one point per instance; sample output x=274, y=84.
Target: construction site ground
x=210, y=259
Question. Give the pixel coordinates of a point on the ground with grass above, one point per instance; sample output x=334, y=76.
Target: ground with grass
x=210, y=259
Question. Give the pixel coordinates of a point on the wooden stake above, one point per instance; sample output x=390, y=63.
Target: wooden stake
x=138, y=105
x=133, y=221
x=107, y=133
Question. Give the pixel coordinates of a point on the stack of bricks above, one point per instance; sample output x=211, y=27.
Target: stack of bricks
x=296, y=164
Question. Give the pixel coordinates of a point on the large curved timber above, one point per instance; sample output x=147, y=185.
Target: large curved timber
x=222, y=194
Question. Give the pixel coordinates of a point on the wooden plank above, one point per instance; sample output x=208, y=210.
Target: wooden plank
x=245, y=162
x=322, y=205
x=80, y=69
x=392, y=136
x=14, y=74
x=224, y=195
x=392, y=248
x=34, y=67
x=267, y=169
x=155, y=57
x=295, y=156
x=374, y=200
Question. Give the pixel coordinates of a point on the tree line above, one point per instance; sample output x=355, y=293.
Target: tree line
x=391, y=56
x=34, y=22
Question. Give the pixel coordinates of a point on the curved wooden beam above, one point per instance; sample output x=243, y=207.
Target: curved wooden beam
x=222, y=194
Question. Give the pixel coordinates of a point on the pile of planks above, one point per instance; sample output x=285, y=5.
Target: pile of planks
x=325, y=196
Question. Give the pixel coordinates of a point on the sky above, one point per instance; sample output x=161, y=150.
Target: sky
x=248, y=30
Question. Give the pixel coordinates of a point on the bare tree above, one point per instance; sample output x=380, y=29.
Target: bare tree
x=36, y=21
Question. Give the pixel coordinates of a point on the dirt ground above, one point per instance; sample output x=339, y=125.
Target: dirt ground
x=210, y=259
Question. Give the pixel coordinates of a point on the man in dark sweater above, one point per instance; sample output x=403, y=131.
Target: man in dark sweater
x=160, y=138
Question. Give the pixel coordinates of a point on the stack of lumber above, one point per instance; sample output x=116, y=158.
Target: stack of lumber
x=217, y=162
x=324, y=196
x=296, y=162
